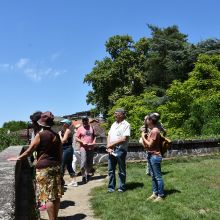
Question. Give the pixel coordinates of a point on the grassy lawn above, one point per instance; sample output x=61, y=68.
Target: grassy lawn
x=192, y=187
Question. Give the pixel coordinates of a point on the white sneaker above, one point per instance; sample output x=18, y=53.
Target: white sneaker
x=73, y=183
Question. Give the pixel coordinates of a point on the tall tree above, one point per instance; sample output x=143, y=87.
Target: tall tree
x=120, y=74
x=132, y=67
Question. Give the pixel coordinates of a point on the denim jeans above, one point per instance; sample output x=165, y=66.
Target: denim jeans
x=67, y=158
x=112, y=162
x=155, y=172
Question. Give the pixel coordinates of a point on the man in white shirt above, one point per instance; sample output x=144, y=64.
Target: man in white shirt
x=117, y=144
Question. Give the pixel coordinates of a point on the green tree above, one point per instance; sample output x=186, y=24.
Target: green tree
x=132, y=67
x=119, y=75
x=7, y=140
x=170, y=56
x=193, y=106
x=14, y=125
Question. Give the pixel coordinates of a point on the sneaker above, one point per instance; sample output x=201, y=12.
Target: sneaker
x=73, y=183
x=88, y=177
x=84, y=180
x=120, y=190
x=152, y=197
x=110, y=190
x=158, y=199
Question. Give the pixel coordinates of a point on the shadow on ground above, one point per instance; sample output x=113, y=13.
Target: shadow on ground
x=166, y=172
x=98, y=177
x=78, y=216
x=133, y=185
x=171, y=191
x=66, y=203
x=93, y=178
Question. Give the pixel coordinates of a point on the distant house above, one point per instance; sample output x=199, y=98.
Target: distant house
x=79, y=115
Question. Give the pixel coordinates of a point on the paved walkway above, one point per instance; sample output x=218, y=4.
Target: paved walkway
x=75, y=202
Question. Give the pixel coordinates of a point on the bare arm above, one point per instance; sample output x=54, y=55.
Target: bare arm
x=79, y=140
x=147, y=144
x=65, y=136
x=29, y=151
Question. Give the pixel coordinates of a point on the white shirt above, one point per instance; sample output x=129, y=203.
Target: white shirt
x=119, y=130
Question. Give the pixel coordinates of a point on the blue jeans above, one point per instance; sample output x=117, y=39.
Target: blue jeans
x=67, y=159
x=112, y=162
x=155, y=172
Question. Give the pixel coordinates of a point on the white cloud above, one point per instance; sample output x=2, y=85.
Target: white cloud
x=36, y=71
x=6, y=66
x=22, y=62
x=55, y=56
x=39, y=74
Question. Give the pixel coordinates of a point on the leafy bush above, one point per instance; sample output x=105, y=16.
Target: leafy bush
x=15, y=125
x=7, y=140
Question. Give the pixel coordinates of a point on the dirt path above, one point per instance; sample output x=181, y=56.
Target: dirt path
x=75, y=202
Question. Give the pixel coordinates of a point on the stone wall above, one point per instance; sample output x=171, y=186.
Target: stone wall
x=178, y=148
x=17, y=197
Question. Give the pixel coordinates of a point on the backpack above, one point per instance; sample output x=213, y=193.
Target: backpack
x=165, y=144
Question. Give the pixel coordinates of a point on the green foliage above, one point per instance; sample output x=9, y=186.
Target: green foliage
x=15, y=125
x=134, y=66
x=137, y=107
x=7, y=140
x=193, y=106
x=117, y=76
x=165, y=61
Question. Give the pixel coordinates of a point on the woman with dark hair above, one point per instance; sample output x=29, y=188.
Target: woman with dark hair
x=36, y=127
x=66, y=138
x=47, y=144
x=153, y=144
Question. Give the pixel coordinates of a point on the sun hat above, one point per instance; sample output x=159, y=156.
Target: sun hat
x=46, y=119
x=66, y=121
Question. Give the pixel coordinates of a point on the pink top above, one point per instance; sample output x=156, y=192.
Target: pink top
x=87, y=135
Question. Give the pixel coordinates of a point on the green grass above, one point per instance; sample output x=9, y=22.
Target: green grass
x=192, y=188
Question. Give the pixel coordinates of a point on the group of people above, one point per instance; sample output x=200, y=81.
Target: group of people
x=54, y=153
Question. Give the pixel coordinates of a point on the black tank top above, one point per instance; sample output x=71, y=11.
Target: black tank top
x=49, y=150
x=69, y=140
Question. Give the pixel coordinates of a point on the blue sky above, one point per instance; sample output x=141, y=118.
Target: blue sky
x=47, y=46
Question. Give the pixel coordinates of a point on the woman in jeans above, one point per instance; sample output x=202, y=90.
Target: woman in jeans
x=67, y=158
x=153, y=144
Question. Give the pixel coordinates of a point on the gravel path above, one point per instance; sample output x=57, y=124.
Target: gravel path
x=75, y=201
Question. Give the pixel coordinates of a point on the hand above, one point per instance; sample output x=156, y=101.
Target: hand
x=13, y=159
x=109, y=150
x=143, y=135
x=109, y=146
